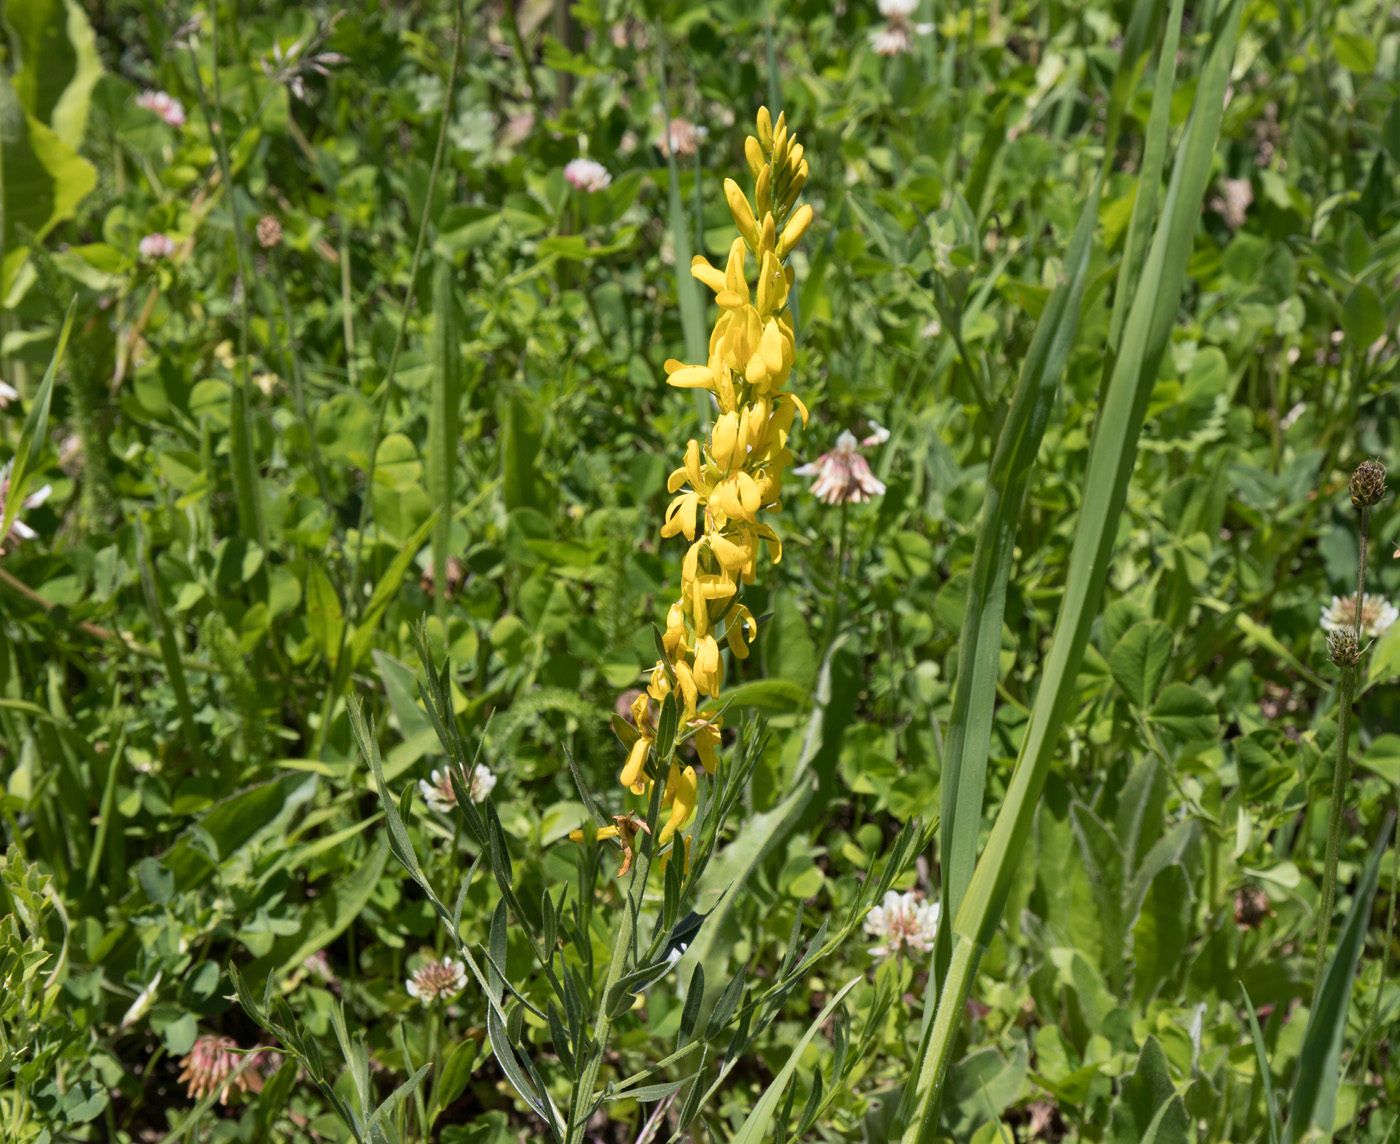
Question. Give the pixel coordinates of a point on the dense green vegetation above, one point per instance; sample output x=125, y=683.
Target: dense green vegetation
x=335, y=350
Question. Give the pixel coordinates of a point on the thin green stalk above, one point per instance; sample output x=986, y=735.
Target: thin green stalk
x=442, y=426
x=245, y=477
x=347, y=309
x=299, y=389
x=834, y=608
x=170, y=651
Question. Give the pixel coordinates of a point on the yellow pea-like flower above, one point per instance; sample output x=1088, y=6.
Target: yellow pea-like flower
x=730, y=478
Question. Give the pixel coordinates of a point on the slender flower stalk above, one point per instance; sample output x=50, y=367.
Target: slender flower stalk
x=1344, y=644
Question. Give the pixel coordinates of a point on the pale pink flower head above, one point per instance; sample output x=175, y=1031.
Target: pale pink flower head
x=163, y=104
x=436, y=980
x=843, y=476
x=587, y=175
x=18, y=528
x=156, y=245
x=907, y=924
x=1378, y=615
x=210, y=1063
x=896, y=36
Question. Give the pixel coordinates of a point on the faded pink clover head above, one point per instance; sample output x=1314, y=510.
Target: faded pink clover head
x=907, y=924
x=842, y=475
x=213, y=1060
x=437, y=790
x=156, y=245
x=587, y=175
x=437, y=981
x=1378, y=615
x=163, y=104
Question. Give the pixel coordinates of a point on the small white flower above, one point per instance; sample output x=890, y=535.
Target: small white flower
x=8, y=393
x=437, y=791
x=897, y=9
x=843, y=475
x=1378, y=615
x=906, y=924
x=163, y=104
x=436, y=980
x=587, y=175
x=156, y=245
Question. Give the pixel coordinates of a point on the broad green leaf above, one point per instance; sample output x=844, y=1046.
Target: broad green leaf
x=58, y=64
x=1319, y=1062
x=1363, y=320
x=1139, y=661
x=1186, y=713
x=1161, y=932
x=44, y=180
x=1142, y=1098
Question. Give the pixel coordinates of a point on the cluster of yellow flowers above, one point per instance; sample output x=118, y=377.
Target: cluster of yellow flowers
x=729, y=480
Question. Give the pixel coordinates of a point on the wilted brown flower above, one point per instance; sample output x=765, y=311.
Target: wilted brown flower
x=1251, y=907
x=269, y=232
x=213, y=1060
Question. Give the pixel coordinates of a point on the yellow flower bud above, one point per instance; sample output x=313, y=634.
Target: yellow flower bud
x=765, y=129
x=763, y=189
x=743, y=213
x=796, y=227
x=753, y=152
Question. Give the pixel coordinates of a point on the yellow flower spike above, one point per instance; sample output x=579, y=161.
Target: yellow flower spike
x=743, y=213
x=753, y=152
x=604, y=833
x=683, y=789
x=733, y=475
x=796, y=227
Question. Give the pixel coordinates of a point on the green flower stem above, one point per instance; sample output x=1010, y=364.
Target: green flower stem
x=1361, y=569
x=834, y=611
x=602, y=1025
x=1334, y=826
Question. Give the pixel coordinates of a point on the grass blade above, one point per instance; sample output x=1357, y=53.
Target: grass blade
x=1111, y=457
x=1319, y=1062
x=36, y=427
x=169, y=651
x=760, y=1120
x=442, y=425
x=1262, y=1056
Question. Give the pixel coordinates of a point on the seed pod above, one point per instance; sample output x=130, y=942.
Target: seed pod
x=1367, y=484
x=1343, y=648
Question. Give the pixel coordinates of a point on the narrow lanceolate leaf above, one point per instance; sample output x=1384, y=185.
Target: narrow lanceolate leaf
x=1319, y=1062
x=442, y=423
x=36, y=427
x=169, y=649
x=245, y=470
x=760, y=1120
x=1111, y=457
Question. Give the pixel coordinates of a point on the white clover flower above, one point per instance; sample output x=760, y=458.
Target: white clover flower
x=843, y=475
x=897, y=36
x=437, y=791
x=436, y=980
x=1377, y=614
x=907, y=924
x=897, y=9
x=163, y=104
x=587, y=175
x=8, y=393
x=156, y=245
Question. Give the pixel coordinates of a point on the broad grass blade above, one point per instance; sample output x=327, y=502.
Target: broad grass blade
x=1111, y=457
x=1319, y=1063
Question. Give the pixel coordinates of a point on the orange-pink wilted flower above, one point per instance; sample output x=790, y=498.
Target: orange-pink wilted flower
x=843, y=475
x=213, y=1060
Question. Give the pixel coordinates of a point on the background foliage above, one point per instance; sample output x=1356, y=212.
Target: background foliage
x=250, y=469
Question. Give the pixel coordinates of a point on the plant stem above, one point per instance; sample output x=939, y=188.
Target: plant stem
x=1361, y=568
x=834, y=610
x=1334, y=826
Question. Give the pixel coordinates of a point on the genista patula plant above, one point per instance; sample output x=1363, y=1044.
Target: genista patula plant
x=601, y=947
